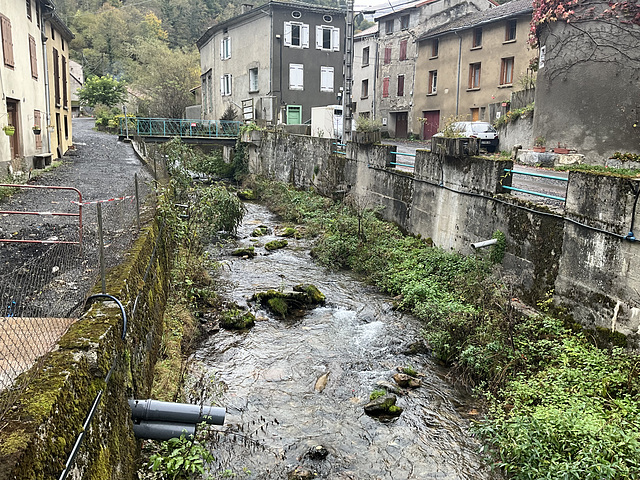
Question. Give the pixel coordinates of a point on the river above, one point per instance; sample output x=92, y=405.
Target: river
x=268, y=375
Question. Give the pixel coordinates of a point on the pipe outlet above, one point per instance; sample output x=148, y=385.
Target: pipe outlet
x=155, y=410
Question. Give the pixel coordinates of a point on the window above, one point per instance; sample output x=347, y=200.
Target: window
x=32, y=56
x=210, y=90
x=510, y=33
x=37, y=122
x=53, y=33
x=477, y=37
x=66, y=127
x=435, y=45
x=38, y=17
x=294, y=114
x=296, y=76
x=387, y=55
x=403, y=50
x=226, y=84
x=296, y=14
x=327, y=19
x=65, y=71
x=296, y=34
x=433, y=82
x=474, y=75
x=385, y=87
x=205, y=95
x=401, y=85
x=327, y=38
x=326, y=79
x=364, y=92
x=506, y=71
x=253, y=80
x=225, y=48
x=404, y=22
x=365, y=56
x=56, y=76
x=29, y=9
x=7, y=42
x=388, y=26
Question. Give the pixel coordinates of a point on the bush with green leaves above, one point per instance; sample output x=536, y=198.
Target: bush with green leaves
x=181, y=458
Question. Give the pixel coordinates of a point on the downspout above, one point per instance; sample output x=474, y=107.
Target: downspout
x=375, y=78
x=47, y=94
x=459, y=65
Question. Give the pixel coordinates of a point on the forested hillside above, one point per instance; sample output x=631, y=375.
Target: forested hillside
x=150, y=44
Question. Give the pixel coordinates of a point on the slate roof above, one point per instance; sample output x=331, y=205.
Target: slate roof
x=506, y=10
x=366, y=32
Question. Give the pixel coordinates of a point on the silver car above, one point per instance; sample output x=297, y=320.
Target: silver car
x=483, y=131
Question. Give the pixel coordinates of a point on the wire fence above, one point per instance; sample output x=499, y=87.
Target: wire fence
x=43, y=286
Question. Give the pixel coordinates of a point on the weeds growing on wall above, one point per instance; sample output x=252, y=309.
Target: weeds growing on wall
x=558, y=406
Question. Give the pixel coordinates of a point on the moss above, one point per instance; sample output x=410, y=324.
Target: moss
x=236, y=319
x=260, y=231
x=395, y=410
x=244, y=252
x=247, y=195
x=278, y=305
x=314, y=296
x=276, y=244
x=290, y=232
x=377, y=394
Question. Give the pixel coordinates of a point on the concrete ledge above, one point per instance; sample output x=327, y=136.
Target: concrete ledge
x=41, y=160
x=548, y=159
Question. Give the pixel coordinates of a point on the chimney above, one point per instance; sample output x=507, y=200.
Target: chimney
x=245, y=7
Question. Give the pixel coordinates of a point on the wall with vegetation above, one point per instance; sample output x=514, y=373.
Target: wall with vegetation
x=457, y=200
x=41, y=430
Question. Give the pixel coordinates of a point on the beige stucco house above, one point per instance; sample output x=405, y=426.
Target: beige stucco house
x=470, y=63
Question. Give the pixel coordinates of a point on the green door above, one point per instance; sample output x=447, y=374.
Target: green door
x=294, y=114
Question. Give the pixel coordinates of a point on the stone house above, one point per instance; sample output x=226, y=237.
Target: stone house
x=398, y=32
x=365, y=57
x=273, y=62
x=470, y=63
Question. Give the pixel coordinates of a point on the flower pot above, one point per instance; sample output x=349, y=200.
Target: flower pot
x=540, y=149
x=560, y=150
x=37, y=131
x=9, y=130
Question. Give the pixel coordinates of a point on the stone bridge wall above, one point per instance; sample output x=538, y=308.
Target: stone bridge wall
x=580, y=257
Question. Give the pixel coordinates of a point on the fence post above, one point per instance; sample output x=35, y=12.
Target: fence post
x=137, y=201
x=101, y=242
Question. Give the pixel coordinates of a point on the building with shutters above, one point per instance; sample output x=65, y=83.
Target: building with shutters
x=398, y=53
x=273, y=62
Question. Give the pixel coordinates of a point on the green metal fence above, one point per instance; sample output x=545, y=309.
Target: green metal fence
x=178, y=127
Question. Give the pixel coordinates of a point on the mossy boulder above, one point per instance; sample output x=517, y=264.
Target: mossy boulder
x=286, y=303
x=383, y=406
x=276, y=244
x=244, y=252
x=261, y=231
x=237, y=319
x=247, y=195
x=290, y=232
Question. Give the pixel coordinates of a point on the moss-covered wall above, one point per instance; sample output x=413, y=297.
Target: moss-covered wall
x=40, y=432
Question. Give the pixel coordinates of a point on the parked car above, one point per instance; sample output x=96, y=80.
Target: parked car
x=483, y=131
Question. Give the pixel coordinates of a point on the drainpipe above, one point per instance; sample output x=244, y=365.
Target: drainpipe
x=459, y=65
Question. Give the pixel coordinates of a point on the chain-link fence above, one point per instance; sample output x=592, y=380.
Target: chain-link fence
x=43, y=286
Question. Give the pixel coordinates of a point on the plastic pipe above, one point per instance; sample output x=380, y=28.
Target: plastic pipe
x=176, y=412
x=162, y=430
x=485, y=243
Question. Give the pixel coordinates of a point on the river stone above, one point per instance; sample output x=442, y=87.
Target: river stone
x=301, y=473
x=390, y=387
x=261, y=231
x=237, y=320
x=319, y=452
x=290, y=232
x=406, y=381
x=384, y=405
x=248, y=252
x=247, y=195
x=276, y=244
x=302, y=297
x=314, y=295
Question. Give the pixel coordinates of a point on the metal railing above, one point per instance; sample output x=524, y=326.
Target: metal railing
x=339, y=148
x=396, y=163
x=178, y=127
x=530, y=192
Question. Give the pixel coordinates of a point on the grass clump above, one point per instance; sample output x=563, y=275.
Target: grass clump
x=600, y=170
x=377, y=394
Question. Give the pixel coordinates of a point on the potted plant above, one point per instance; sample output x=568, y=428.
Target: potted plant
x=36, y=129
x=561, y=149
x=368, y=130
x=9, y=129
x=539, y=144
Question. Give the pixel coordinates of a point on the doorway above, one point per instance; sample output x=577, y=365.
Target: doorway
x=431, y=123
x=294, y=114
x=402, y=124
x=12, y=119
x=475, y=114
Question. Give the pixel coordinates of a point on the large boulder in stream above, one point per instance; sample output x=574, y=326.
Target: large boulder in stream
x=237, y=319
x=244, y=252
x=275, y=245
x=303, y=297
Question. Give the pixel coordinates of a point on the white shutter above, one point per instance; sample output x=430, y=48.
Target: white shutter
x=318, y=37
x=335, y=39
x=287, y=34
x=230, y=80
x=326, y=79
x=296, y=76
x=228, y=47
x=305, y=35
x=222, y=49
x=222, y=85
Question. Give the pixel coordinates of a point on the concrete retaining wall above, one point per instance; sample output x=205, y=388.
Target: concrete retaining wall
x=581, y=257
x=39, y=434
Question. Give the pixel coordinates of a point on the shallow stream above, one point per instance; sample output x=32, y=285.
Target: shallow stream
x=270, y=372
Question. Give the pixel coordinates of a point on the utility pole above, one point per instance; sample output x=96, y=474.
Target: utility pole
x=348, y=76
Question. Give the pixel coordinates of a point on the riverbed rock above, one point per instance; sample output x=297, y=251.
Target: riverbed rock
x=384, y=405
x=289, y=232
x=301, y=473
x=303, y=296
x=276, y=244
x=406, y=381
x=247, y=195
x=321, y=383
x=248, y=252
x=261, y=231
x=416, y=348
x=319, y=452
x=390, y=387
x=237, y=319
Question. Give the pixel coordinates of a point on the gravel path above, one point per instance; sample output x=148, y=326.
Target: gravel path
x=101, y=168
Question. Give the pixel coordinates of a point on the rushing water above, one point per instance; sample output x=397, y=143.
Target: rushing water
x=269, y=374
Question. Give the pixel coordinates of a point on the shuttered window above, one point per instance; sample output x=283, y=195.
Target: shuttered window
x=327, y=38
x=296, y=76
x=7, y=42
x=226, y=85
x=65, y=96
x=403, y=50
x=296, y=34
x=387, y=55
x=326, y=79
x=385, y=87
x=401, y=85
x=56, y=76
x=32, y=56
